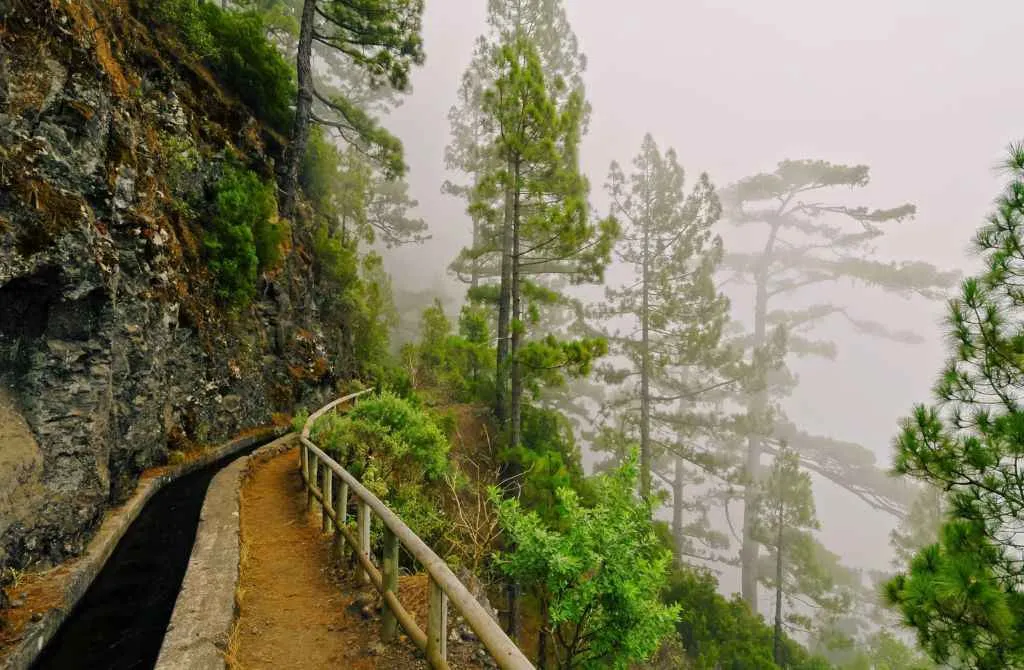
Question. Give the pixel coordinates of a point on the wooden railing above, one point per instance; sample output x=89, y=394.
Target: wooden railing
x=330, y=485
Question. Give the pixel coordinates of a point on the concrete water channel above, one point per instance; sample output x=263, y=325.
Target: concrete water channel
x=120, y=622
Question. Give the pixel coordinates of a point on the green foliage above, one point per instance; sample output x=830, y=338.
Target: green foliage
x=880, y=651
x=244, y=236
x=549, y=362
x=545, y=24
x=233, y=44
x=380, y=42
x=300, y=419
x=672, y=359
x=462, y=365
x=920, y=527
x=539, y=146
x=355, y=298
x=810, y=237
x=784, y=518
x=388, y=433
x=598, y=577
x=350, y=196
x=189, y=18
x=962, y=593
x=396, y=449
x=549, y=458
x=723, y=634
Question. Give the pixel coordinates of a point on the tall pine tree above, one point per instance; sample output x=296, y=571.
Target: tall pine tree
x=379, y=37
x=672, y=317
x=783, y=523
x=544, y=22
x=810, y=238
x=963, y=593
x=544, y=222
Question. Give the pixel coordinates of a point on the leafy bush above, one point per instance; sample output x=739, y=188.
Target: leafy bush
x=597, y=572
x=299, y=420
x=244, y=237
x=462, y=365
x=251, y=66
x=188, y=16
x=723, y=634
x=549, y=457
x=234, y=46
x=397, y=451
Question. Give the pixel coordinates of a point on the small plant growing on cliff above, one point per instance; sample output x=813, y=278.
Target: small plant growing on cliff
x=244, y=236
x=234, y=45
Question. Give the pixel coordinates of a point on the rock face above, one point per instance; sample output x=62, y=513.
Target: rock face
x=113, y=349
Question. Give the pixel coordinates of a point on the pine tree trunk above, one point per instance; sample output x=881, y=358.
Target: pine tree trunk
x=513, y=471
x=778, y=593
x=510, y=413
x=645, y=370
x=542, y=636
x=756, y=406
x=677, y=508
x=504, y=310
x=474, y=266
x=303, y=113
x=755, y=441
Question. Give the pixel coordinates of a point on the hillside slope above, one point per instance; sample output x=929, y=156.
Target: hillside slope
x=113, y=345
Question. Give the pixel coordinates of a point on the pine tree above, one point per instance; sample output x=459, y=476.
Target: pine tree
x=349, y=195
x=920, y=527
x=379, y=37
x=544, y=222
x=963, y=593
x=672, y=346
x=785, y=517
x=810, y=241
x=543, y=22
x=337, y=77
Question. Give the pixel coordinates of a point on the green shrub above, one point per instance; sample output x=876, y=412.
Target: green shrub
x=462, y=365
x=720, y=633
x=299, y=420
x=549, y=457
x=251, y=66
x=234, y=46
x=244, y=237
x=397, y=450
x=189, y=18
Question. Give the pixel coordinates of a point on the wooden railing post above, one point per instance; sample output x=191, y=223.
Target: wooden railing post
x=341, y=514
x=314, y=472
x=304, y=463
x=363, y=530
x=327, y=505
x=389, y=622
x=437, y=626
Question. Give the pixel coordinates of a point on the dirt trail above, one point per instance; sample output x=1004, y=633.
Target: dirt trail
x=295, y=608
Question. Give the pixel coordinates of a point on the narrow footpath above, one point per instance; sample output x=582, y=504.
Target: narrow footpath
x=296, y=609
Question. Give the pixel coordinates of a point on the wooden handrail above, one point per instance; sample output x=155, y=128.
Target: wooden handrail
x=443, y=585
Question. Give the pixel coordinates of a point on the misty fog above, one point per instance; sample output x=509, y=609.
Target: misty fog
x=922, y=91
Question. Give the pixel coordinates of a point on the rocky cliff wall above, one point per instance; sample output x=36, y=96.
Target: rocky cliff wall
x=113, y=349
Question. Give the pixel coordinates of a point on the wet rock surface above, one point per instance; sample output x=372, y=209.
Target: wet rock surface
x=113, y=349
